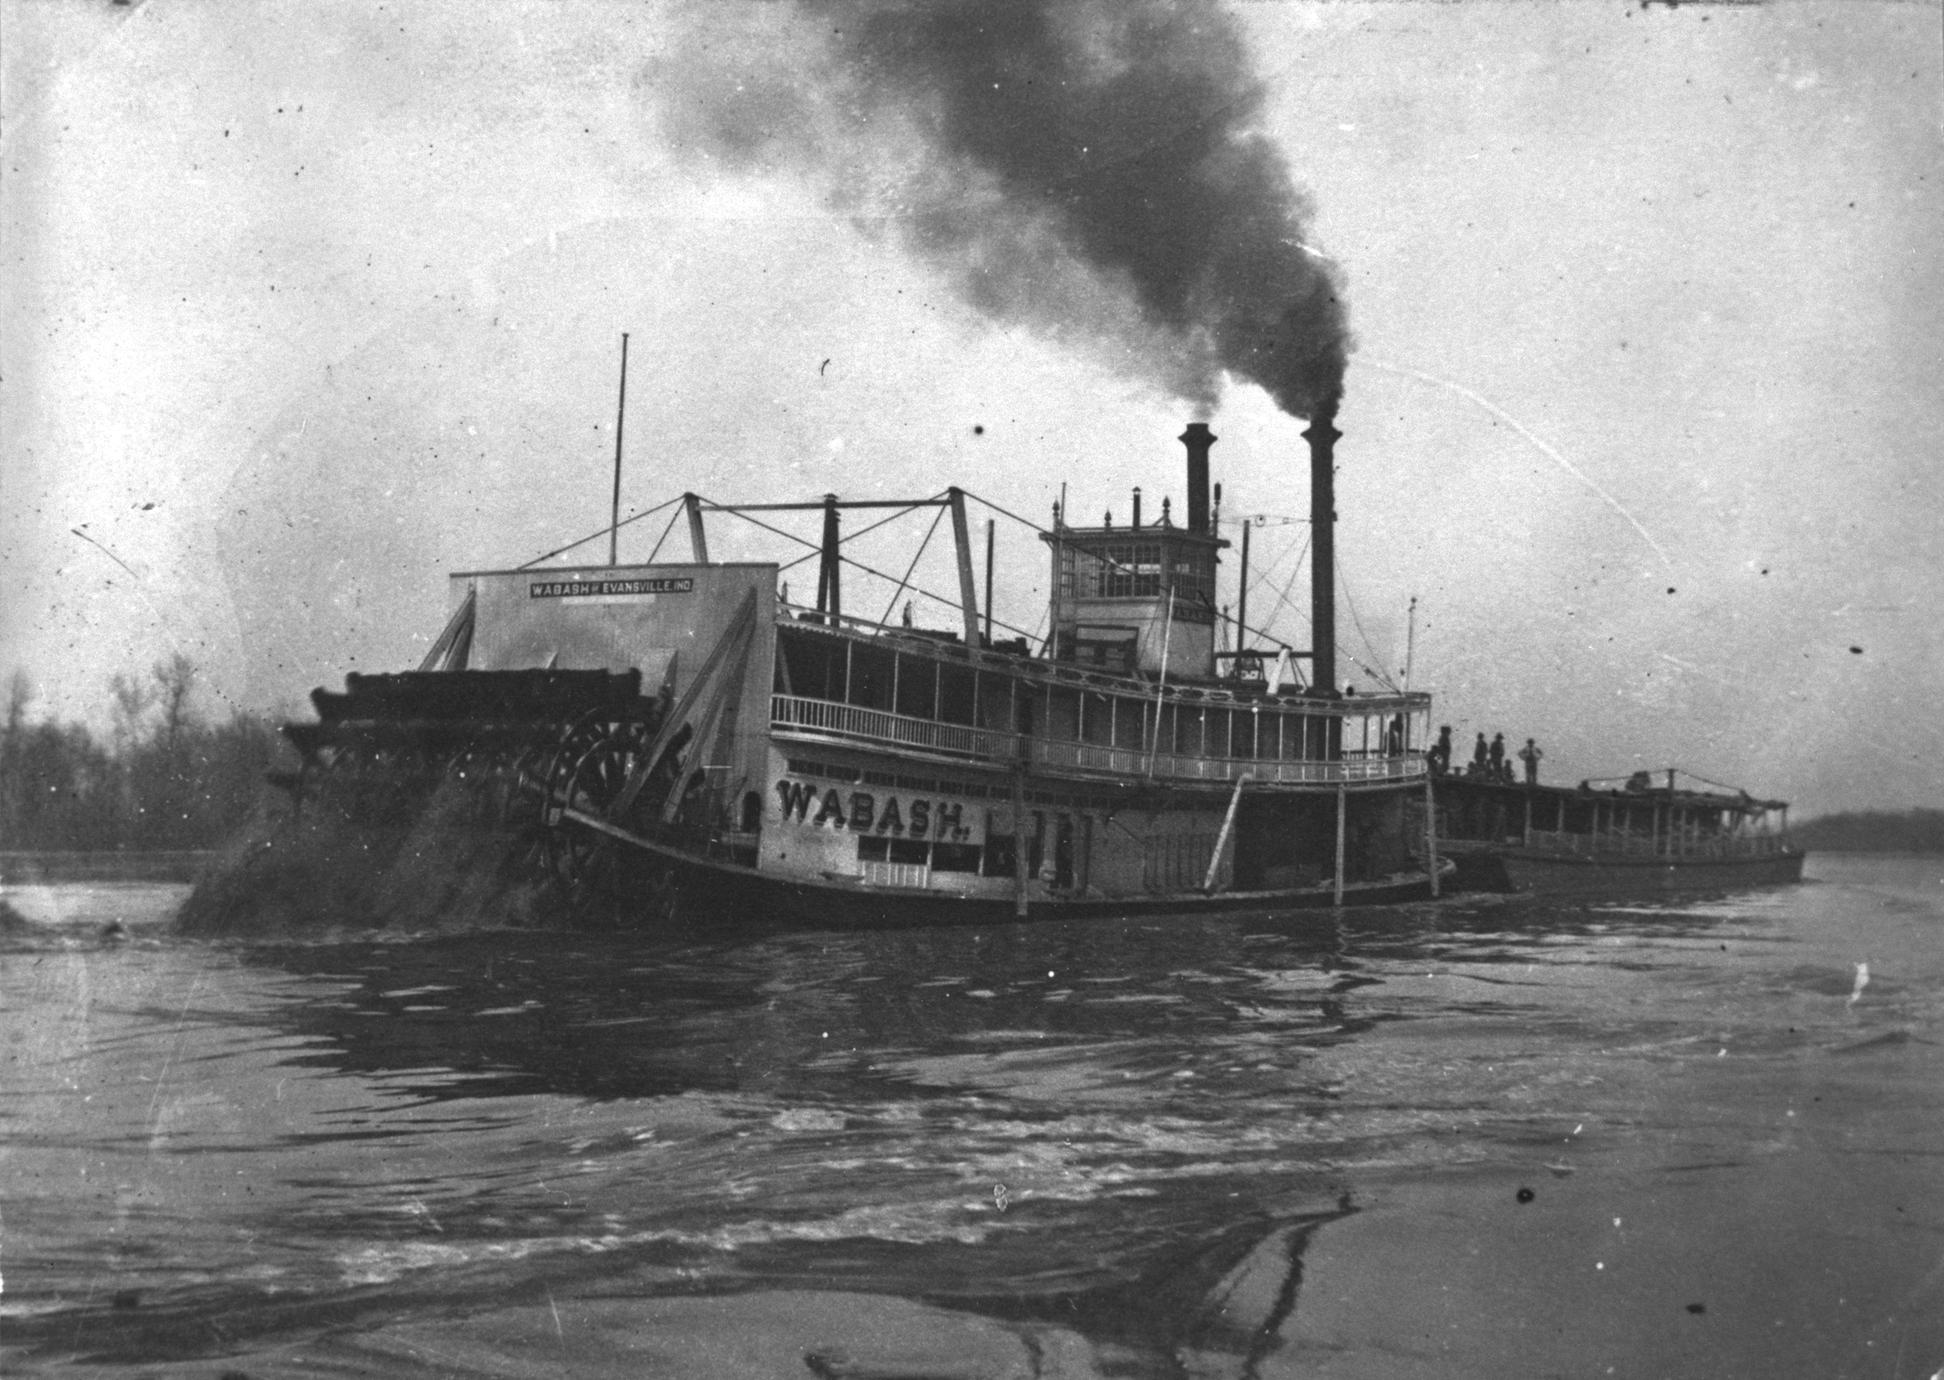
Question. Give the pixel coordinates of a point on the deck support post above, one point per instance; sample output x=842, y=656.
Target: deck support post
x=1019, y=834
x=1336, y=892
x=1430, y=835
x=962, y=542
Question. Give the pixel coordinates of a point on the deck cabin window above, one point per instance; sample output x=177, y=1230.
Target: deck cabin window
x=958, y=691
x=939, y=857
x=1001, y=851
x=917, y=686
x=1186, y=720
x=1194, y=577
x=993, y=706
x=810, y=666
x=1062, y=714
x=955, y=857
x=1108, y=647
x=1097, y=718
x=1221, y=729
x=873, y=675
x=1242, y=733
x=1125, y=570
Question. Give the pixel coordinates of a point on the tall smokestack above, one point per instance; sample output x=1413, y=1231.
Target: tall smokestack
x=1198, y=439
x=1322, y=436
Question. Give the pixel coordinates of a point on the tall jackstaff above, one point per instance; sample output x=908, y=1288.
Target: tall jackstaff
x=620, y=417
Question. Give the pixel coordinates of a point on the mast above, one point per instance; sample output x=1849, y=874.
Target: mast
x=620, y=416
x=1410, y=643
x=1242, y=599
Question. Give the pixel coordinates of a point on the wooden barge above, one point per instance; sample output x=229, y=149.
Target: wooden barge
x=1651, y=832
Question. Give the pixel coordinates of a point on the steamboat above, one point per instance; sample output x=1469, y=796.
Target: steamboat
x=677, y=737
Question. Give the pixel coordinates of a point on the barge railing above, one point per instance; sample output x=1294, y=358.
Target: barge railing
x=1644, y=846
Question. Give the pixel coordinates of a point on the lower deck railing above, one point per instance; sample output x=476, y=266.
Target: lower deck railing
x=797, y=716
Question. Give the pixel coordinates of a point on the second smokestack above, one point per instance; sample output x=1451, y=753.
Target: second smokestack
x=1198, y=439
x=1323, y=436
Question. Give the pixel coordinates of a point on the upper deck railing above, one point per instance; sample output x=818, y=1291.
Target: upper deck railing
x=1043, y=671
x=800, y=717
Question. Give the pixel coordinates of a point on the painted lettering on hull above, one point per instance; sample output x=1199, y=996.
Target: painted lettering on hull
x=868, y=812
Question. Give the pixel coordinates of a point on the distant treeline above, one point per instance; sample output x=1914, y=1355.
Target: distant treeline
x=1874, y=831
x=166, y=778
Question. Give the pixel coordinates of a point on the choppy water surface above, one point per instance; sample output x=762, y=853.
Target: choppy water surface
x=1475, y=1139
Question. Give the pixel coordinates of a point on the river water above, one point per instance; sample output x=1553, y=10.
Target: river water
x=1480, y=1138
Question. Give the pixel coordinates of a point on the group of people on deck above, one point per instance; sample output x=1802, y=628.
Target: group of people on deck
x=1489, y=761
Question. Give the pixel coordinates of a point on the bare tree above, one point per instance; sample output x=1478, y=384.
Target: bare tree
x=13, y=743
x=20, y=694
x=132, y=701
x=174, y=679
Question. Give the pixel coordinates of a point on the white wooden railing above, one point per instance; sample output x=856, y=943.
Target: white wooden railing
x=795, y=716
x=794, y=713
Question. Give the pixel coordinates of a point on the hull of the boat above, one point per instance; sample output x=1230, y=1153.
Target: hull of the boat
x=1530, y=871
x=653, y=883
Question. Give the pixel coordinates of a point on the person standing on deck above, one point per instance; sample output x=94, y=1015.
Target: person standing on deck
x=1530, y=755
x=1441, y=752
x=1496, y=758
x=1480, y=758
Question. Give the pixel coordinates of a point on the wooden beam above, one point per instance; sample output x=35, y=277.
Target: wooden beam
x=1019, y=832
x=990, y=524
x=962, y=543
x=1431, y=833
x=821, y=504
x=1221, y=839
x=1336, y=895
x=698, y=539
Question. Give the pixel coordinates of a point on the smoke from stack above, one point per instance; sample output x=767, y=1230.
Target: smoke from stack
x=1092, y=168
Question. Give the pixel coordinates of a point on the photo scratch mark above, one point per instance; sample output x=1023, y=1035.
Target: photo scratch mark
x=1551, y=454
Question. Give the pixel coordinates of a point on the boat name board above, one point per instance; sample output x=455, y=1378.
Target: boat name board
x=611, y=589
x=864, y=812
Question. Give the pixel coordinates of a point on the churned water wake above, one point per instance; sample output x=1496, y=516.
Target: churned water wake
x=1460, y=1140
x=444, y=866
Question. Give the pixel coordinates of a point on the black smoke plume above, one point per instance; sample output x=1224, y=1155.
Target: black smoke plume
x=1095, y=168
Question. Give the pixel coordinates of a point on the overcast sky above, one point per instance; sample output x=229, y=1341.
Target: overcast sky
x=307, y=305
